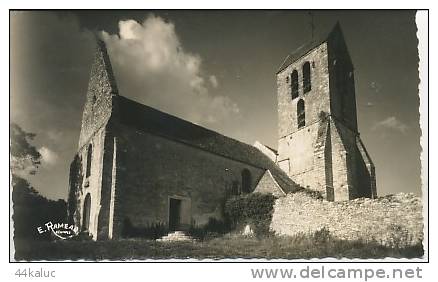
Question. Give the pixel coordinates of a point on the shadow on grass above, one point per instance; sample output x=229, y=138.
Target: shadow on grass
x=298, y=247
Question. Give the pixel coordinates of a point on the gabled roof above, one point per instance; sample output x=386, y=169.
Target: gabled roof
x=307, y=47
x=267, y=151
x=150, y=120
x=269, y=185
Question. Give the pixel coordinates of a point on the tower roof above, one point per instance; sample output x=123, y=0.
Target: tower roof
x=305, y=48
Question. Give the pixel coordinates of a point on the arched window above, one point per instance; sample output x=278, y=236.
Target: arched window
x=307, y=83
x=89, y=157
x=246, y=181
x=86, y=213
x=294, y=84
x=301, y=113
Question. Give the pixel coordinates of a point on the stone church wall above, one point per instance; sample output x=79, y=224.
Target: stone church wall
x=296, y=147
x=325, y=154
x=343, y=144
x=91, y=184
x=300, y=154
x=341, y=75
x=316, y=100
x=99, y=99
x=389, y=220
x=151, y=169
x=353, y=172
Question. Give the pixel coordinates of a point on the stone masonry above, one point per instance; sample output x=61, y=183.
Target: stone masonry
x=138, y=167
x=394, y=220
x=326, y=153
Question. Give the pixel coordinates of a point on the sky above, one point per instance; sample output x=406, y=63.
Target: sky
x=216, y=69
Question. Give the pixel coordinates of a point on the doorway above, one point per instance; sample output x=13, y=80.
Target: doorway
x=174, y=214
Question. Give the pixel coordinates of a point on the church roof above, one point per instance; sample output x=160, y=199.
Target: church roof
x=307, y=47
x=150, y=120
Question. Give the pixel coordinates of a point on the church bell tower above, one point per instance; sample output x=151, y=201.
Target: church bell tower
x=319, y=144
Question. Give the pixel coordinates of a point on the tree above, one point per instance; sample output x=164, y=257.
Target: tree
x=31, y=209
x=25, y=158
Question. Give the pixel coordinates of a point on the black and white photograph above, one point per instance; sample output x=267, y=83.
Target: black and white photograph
x=212, y=135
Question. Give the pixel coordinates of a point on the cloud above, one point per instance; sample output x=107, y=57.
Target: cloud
x=391, y=123
x=51, y=55
x=48, y=157
x=55, y=136
x=152, y=67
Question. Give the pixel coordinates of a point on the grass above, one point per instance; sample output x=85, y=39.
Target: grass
x=228, y=246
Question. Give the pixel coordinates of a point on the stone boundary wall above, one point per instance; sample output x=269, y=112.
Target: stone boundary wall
x=393, y=220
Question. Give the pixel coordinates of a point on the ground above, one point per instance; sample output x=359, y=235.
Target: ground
x=228, y=246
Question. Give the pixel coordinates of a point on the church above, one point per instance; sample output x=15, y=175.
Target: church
x=137, y=164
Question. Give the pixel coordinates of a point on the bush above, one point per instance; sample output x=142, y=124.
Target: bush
x=82, y=236
x=399, y=236
x=150, y=231
x=254, y=209
x=322, y=236
x=213, y=228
